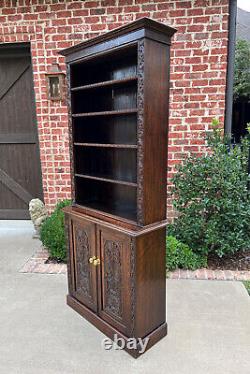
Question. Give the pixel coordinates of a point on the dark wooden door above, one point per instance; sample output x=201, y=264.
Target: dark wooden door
x=114, y=300
x=85, y=273
x=20, y=170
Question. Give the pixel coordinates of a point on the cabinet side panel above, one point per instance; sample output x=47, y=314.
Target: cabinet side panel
x=150, y=282
x=156, y=102
x=68, y=236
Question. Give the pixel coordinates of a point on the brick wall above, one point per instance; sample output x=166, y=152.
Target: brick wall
x=198, y=67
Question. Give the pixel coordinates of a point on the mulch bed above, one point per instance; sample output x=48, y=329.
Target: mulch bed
x=236, y=261
x=52, y=260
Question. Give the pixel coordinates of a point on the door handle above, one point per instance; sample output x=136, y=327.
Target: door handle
x=92, y=259
x=96, y=262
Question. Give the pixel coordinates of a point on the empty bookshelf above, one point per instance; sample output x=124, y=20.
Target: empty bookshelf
x=118, y=109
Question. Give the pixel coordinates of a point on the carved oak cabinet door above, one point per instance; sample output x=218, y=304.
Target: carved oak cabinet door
x=115, y=300
x=85, y=277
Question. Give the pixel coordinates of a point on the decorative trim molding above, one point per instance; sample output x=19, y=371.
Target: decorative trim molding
x=70, y=129
x=132, y=282
x=140, y=132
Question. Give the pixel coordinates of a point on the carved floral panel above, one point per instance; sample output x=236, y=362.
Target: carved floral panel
x=113, y=278
x=83, y=278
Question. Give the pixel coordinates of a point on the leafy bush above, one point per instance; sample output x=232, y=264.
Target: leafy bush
x=212, y=199
x=179, y=255
x=53, y=234
x=242, y=69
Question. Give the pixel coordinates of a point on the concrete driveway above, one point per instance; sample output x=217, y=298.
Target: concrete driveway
x=209, y=324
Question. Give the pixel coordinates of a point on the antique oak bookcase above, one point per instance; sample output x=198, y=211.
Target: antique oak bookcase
x=118, y=107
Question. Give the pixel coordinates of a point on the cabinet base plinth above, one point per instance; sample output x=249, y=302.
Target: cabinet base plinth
x=110, y=331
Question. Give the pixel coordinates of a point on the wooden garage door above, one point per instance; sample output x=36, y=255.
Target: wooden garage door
x=20, y=170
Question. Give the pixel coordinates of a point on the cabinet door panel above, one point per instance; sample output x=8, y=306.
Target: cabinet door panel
x=114, y=302
x=84, y=273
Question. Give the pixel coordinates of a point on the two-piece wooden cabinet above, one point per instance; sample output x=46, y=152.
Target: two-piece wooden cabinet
x=118, y=109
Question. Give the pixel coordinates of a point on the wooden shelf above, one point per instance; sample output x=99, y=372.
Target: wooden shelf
x=106, y=113
x=126, y=146
x=105, y=84
x=131, y=184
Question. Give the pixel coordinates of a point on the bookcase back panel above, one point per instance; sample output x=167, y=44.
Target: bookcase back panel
x=106, y=130
x=108, y=197
x=104, y=99
x=118, y=164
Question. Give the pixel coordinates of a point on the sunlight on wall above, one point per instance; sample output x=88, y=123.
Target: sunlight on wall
x=244, y=4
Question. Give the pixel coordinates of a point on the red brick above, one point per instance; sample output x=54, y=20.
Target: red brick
x=91, y=4
x=177, y=13
x=30, y=17
x=195, y=12
x=92, y=19
x=9, y=11
x=215, y=10
x=75, y=6
x=63, y=14
x=41, y=8
x=98, y=27
x=58, y=22
x=14, y=18
x=198, y=68
x=183, y=4
x=125, y=2
x=97, y=11
x=80, y=13
x=195, y=28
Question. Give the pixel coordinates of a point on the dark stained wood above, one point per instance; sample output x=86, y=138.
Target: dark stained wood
x=115, y=130
x=145, y=169
x=105, y=83
x=155, y=118
x=18, y=138
x=130, y=279
x=114, y=300
x=150, y=281
x=118, y=142
x=129, y=146
x=84, y=274
x=9, y=82
x=20, y=170
x=128, y=229
x=105, y=113
x=106, y=180
x=15, y=214
x=69, y=248
x=15, y=187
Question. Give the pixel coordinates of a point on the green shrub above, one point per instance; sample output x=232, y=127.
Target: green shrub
x=53, y=234
x=179, y=255
x=212, y=199
x=247, y=285
x=242, y=70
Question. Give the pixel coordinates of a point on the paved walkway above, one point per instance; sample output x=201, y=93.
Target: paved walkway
x=208, y=274
x=209, y=324
x=37, y=264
